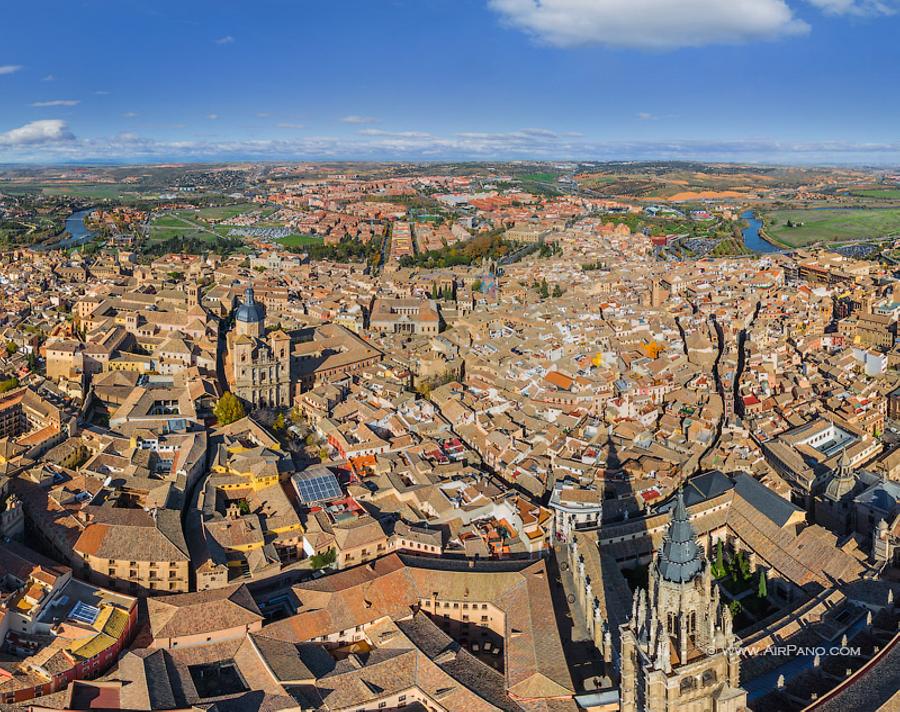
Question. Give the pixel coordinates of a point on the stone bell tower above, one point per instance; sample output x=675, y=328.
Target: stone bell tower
x=679, y=651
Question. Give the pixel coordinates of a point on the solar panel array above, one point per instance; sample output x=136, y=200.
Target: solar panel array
x=84, y=613
x=317, y=487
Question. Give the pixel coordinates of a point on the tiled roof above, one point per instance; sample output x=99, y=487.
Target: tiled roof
x=202, y=612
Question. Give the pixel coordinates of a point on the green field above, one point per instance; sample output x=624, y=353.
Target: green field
x=878, y=193
x=184, y=223
x=831, y=226
x=169, y=225
x=99, y=191
x=223, y=212
x=540, y=177
x=300, y=240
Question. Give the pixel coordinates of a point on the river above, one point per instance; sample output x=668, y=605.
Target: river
x=78, y=232
x=752, y=238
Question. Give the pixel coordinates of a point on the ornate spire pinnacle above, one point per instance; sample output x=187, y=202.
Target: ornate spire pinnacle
x=679, y=558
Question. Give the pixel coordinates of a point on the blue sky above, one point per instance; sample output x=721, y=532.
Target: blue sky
x=739, y=80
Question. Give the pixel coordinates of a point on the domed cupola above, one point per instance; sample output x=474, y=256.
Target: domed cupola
x=249, y=316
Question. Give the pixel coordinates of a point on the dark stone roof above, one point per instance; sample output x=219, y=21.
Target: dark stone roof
x=457, y=662
x=680, y=559
x=884, y=496
x=248, y=311
x=294, y=662
x=764, y=500
x=701, y=488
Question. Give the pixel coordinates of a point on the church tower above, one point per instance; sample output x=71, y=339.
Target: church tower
x=249, y=319
x=679, y=651
x=193, y=295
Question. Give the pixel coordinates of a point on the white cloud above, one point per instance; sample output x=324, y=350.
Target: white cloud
x=651, y=24
x=353, y=119
x=130, y=115
x=263, y=114
x=394, y=134
x=37, y=132
x=10, y=68
x=51, y=141
x=856, y=7
x=212, y=117
x=101, y=92
x=49, y=78
x=286, y=125
x=56, y=102
x=227, y=39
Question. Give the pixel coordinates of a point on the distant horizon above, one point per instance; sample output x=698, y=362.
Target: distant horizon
x=218, y=161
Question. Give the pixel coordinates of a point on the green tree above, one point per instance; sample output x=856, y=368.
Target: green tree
x=228, y=409
x=279, y=424
x=544, y=289
x=762, y=589
x=323, y=560
x=719, y=566
x=476, y=285
x=735, y=607
x=9, y=384
x=11, y=348
x=557, y=290
x=743, y=566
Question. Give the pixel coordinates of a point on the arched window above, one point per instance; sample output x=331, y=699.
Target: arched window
x=709, y=678
x=688, y=684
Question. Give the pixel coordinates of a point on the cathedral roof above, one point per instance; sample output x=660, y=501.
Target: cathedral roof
x=680, y=559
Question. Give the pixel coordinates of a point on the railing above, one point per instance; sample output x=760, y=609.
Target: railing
x=856, y=676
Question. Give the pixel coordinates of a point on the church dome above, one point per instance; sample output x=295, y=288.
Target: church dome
x=248, y=312
x=843, y=481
